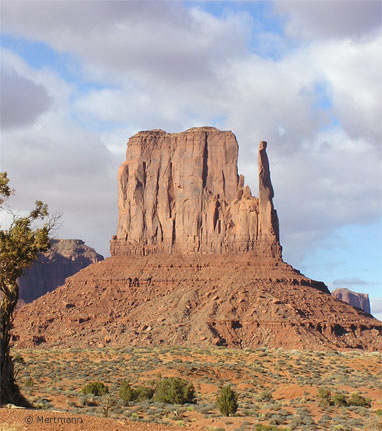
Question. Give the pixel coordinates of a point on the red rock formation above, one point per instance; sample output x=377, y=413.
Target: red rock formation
x=181, y=193
x=63, y=259
x=194, y=300
x=196, y=261
x=358, y=300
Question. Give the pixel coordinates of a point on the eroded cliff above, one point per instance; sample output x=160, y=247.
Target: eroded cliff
x=181, y=193
x=358, y=300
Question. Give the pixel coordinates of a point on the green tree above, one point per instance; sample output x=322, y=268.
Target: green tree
x=227, y=401
x=340, y=400
x=144, y=393
x=173, y=390
x=95, y=388
x=358, y=400
x=325, y=397
x=127, y=393
x=20, y=245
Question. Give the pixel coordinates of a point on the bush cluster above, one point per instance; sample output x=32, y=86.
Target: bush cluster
x=139, y=393
x=170, y=390
x=327, y=399
x=95, y=388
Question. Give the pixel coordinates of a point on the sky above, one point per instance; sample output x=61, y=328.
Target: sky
x=79, y=77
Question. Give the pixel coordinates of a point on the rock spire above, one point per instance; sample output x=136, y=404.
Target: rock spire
x=181, y=193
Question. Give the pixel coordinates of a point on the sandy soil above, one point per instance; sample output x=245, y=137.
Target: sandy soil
x=18, y=420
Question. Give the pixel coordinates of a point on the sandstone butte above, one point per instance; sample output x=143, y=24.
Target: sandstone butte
x=196, y=261
x=64, y=258
x=358, y=300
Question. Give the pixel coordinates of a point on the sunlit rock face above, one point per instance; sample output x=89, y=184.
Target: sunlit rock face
x=181, y=193
x=358, y=300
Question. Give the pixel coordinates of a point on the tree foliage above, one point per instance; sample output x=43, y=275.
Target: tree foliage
x=227, y=401
x=95, y=388
x=20, y=245
x=127, y=393
x=173, y=390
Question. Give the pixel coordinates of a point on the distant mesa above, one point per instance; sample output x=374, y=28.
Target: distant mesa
x=64, y=258
x=358, y=300
x=196, y=261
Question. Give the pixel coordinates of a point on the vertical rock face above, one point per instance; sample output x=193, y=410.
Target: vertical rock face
x=181, y=193
x=64, y=258
x=358, y=300
x=269, y=222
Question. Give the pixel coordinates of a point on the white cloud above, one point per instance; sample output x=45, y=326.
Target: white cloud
x=22, y=101
x=376, y=307
x=174, y=68
x=57, y=161
x=321, y=187
x=331, y=19
x=148, y=39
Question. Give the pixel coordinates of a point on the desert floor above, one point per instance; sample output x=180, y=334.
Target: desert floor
x=277, y=389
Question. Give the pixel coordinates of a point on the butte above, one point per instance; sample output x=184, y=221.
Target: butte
x=196, y=261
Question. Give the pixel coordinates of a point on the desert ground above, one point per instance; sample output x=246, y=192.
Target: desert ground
x=277, y=389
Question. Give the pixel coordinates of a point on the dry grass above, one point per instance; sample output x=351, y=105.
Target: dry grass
x=11, y=427
x=276, y=387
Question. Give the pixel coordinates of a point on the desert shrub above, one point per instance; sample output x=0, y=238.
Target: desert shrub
x=18, y=359
x=144, y=393
x=325, y=397
x=127, y=393
x=95, y=388
x=227, y=401
x=265, y=396
x=28, y=382
x=374, y=424
x=340, y=427
x=260, y=427
x=277, y=420
x=87, y=401
x=358, y=400
x=173, y=390
x=340, y=400
x=107, y=403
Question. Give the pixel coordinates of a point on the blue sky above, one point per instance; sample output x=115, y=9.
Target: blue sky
x=79, y=78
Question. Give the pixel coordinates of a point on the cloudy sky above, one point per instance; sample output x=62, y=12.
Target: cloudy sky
x=79, y=77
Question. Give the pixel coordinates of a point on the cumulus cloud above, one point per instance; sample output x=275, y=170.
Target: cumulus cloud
x=61, y=163
x=318, y=189
x=174, y=68
x=149, y=38
x=376, y=307
x=331, y=19
x=22, y=101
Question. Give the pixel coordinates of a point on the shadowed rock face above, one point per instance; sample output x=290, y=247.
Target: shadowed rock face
x=64, y=258
x=358, y=300
x=181, y=193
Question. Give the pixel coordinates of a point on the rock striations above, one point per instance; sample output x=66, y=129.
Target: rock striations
x=196, y=261
x=64, y=258
x=181, y=193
